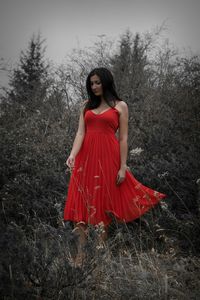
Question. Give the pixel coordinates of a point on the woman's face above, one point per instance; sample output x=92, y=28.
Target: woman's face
x=96, y=85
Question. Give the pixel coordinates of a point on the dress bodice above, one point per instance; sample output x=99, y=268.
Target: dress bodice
x=106, y=122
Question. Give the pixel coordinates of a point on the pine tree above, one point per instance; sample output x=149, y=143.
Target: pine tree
x=121, y=65
x=28, y=81
x=129, y=67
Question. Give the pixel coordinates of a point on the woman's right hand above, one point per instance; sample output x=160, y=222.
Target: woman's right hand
x=70, y=161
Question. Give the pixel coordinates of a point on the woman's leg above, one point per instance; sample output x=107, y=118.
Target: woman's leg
x=80, y=230
x=102, y=236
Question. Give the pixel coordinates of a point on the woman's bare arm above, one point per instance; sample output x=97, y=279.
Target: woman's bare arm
x=80, y=134
x=123, y=133
x=123, y=140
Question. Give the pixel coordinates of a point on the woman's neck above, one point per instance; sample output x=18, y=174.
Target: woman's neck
x=103, y=100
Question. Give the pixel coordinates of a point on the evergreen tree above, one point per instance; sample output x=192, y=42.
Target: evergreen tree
x=129, y=67
x=28, y=81
x=121, y=65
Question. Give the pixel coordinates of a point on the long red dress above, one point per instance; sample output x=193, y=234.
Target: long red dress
x=92, y=191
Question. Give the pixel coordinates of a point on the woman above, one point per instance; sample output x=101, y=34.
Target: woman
x=101, y=184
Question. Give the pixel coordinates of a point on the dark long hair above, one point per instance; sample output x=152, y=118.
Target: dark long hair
x=108, y=86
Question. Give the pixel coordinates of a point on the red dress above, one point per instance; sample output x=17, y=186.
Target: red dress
x=92, y=191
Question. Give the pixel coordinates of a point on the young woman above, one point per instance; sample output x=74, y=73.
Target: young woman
x=101, y=184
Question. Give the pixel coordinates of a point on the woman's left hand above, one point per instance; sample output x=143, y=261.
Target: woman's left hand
x=121, y=176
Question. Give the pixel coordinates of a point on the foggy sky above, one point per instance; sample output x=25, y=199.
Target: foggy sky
x=66, y=24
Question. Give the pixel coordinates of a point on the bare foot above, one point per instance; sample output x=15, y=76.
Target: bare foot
x=79, y=260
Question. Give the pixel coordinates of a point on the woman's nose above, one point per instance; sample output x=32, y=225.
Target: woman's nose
x=94, y=86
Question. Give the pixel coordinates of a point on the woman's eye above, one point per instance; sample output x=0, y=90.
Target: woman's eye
x=97, y=82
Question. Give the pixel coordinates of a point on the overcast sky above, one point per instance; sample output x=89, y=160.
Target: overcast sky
x=65, y=24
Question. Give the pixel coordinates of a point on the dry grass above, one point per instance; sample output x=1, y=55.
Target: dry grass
x=124, y=271
x=136, y=262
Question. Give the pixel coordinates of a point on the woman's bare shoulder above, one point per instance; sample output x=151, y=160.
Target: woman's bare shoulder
x=121, y=106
